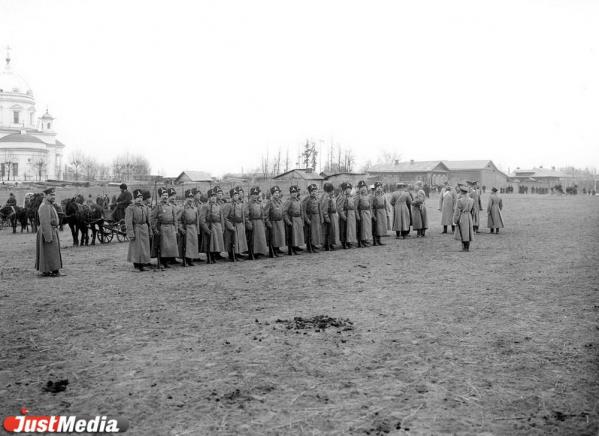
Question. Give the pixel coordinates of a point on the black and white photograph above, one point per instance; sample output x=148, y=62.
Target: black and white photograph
x=328, y=217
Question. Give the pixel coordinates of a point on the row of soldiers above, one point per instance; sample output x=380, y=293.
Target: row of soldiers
x=253, y=228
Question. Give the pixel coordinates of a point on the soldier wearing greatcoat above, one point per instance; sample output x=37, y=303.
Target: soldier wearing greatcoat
x=274, y=221
x=447, y=202
x=312, y=219
x=164, y=226
x=401, y=200
x=380, y=214
x=494, y=208
x=364, y=215
x=293, y=216
x=477, y=206
x=328, y=206
x=48, y=259
x=462, y=218
x=234, y=237
x=189, y=225
x=254, y=225
x=419, y=215
x=212, y=222
x=347, y=216
x=137, y=223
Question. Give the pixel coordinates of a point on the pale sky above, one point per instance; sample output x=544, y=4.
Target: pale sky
x=213, y=85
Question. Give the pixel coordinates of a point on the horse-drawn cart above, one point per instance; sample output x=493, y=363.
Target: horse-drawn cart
x=108, y=228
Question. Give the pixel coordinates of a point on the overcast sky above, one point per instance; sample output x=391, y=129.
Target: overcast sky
x=213, y=85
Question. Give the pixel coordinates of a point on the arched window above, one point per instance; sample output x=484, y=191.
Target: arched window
x=15, y=117
x=49, y=126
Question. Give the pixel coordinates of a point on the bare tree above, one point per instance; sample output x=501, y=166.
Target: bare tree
x=76, y=161
x=127, y=166
x=287, y=160
x=388, y=156
x=276, y=163
x=90, y=166
x=39, y=164
x=265, y=165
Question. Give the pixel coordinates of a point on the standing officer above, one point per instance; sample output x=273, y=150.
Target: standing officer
x=212, y=222
x=447, y=201
x=234, y=237
x=254, y=224
x=401, y=202
x=347, y=216
x=462, y=218
x=189, y=223
x=477, y=206
x=419, y=216
x=328, y=206
x=494, y=208
x=364, y=215
x=380, y=214
x=274, y=221
x=293, y=216
x=164, y=226
x=137, y=223
x=48, y=259
x=312, y=219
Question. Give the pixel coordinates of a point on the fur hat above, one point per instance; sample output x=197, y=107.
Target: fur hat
x=171, y=192
x=378, y=185
x=211, y=192
x=328, y=187
x=49, y=191
x=189, y=193
x=312, y=187
x=162, y=191
x=464, y=188
x=362, y=184
x=138, y=193
x=275, y=189
x=494, y=189
x=122, y=186
x=146, y=195
x=294, y=189
x=255, y=190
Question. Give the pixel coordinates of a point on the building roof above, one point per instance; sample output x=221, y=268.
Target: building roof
x=454, y=165
x=410, y=167
x=17, y=137
x=59, y=144
x=327, y=175
x=540, y=172
x=303, y=173
x=194, y=176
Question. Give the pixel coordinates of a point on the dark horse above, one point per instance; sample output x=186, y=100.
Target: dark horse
x=14, y=214
x=81, y=218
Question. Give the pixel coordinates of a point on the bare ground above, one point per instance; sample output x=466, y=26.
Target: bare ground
x=416, y=336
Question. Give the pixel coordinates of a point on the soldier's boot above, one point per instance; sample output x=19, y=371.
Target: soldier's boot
x=275, y=251
x=374, y=241
x=231, y=256
x=184, y=263
x=492, y=230
x=468, y=246
x=379, y=240
x=359, y=243
x=315, y=248
x=141, y=267
x=397, y=234
x=189, y=261
x=423, y=232
x=344, y=245
x=271, y=254
x=444, y=229
x=296, y=250
x=452, y=229
x=165, y=262
x=290, y=251
x=497, y=231
x=348, y=244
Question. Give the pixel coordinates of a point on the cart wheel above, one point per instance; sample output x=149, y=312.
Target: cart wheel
x=121, y=237
x=105, y=236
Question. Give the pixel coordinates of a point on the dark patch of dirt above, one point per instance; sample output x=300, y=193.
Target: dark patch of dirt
x=317, y=323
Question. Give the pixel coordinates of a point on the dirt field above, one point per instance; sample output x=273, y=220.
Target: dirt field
x=427, y=339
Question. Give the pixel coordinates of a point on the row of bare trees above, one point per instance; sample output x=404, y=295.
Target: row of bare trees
x=124, y=167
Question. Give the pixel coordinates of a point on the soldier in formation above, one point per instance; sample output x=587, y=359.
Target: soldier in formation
x=48, y=259
x=137, y=223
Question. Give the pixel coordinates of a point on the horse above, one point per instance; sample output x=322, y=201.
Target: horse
x=82, y=217
x=14, y=214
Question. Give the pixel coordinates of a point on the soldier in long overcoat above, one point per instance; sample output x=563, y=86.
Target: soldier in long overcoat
x=401, y=202
x=380, y=213
x=328, y=206
x=294, y=221
x=447, y=201
x=462, y=218
x=419, y=215
x=494, y=208
x=254, y=224
x=137, y=223
x=48, y=259
x=273, y=213
x=364, y=215
x=212, y=223
x=312, y=219
x=164, y=227
x=477, y=206
x=234, y=237
x=346, y=209
x=189, y=225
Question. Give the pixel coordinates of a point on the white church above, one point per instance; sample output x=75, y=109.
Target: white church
x=29, y=150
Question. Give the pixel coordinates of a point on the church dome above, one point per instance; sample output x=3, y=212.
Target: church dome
x=19, y=137
x=12, y=83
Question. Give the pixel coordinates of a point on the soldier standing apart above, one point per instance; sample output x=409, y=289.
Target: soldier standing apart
x=328, y=206
x=401, y=202
x=212, y=223
x=380, y=214
x=494, y=208
x=347, y=216
x=234, y=237
x=164, y=226
x=293, y=216
x=254, y=224
x=447, y=201
x=189, y=223
x=274, y=221
x=137, y=223
x=312, y=219
x=48, y=259
x=364, y=215
x=419, y=217
x=462, y=218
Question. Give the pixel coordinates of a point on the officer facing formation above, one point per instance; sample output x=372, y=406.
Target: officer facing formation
x=137, y=223
x=48, y=259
